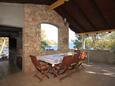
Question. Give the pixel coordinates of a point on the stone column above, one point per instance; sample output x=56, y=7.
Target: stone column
x=31, y=37
x=63, y=37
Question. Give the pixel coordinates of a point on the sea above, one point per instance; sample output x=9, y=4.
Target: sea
x=55, y=47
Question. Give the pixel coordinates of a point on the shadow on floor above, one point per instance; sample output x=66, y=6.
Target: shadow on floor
x=93, y=75
x=6, y=69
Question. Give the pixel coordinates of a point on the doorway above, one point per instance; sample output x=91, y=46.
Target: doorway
x=10, y=50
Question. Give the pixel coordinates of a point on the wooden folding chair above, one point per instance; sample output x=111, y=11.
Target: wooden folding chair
x=41, y=67
x=65, y=65
x=82, y=57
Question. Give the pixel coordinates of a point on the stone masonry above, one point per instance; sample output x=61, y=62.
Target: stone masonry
x=34, y=16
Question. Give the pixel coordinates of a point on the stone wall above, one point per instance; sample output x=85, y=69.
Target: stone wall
x=101, y=56
x=34, y=16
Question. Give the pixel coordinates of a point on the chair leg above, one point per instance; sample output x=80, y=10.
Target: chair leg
x=38, y=77
x=46, y=75
x=82, y=66
x=54, y=72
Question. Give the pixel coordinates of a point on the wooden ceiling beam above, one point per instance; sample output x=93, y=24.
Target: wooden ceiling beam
x=43, y=2
x=92, y=13
x=100, y=13
x=56, y=4
x=77, y=23
x=75, y=3
x=70, y=20
x=76, y=30
x=107, y=9
x=70, y=13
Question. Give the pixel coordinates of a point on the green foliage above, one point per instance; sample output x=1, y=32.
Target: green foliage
x=113, y=46
x=88, y=42
x=102, y=41
x=44, y=44
x=102, y=44
x=78, y=42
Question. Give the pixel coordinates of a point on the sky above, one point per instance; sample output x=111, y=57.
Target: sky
x=72, y=35
x=51, y=32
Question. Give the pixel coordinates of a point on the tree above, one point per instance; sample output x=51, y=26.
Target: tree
x=78, y=42
x=102, y=41
x=44, y=43
x=88, y=43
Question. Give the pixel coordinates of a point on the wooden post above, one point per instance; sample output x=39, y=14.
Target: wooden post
x=83, y=42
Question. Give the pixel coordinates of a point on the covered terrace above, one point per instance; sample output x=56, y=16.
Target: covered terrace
x=21, y=22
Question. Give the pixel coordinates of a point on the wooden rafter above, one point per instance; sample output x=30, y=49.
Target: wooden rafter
x=56, y=4
x=71, y=15
x=82, y=12
x=101, y=14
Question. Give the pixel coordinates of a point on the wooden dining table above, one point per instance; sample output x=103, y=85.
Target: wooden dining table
x=52, y=59
x=56, y=61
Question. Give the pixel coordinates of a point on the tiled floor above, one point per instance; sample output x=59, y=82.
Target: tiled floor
x=93, y=75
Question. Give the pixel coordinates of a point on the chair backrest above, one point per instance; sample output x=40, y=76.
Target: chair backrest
x=77, y=56
x=77, y=51
x=34, y=60
x=83, y=55
x=68, y=60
